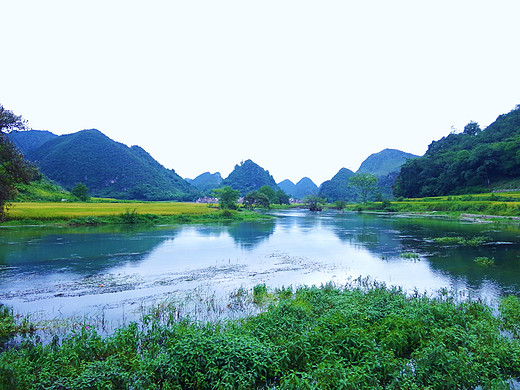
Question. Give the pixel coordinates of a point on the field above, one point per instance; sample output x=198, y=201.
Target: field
x=65, y=210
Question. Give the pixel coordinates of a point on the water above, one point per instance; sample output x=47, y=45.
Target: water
x=108, y=272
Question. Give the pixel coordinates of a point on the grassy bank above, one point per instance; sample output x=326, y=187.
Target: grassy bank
x=92, y=213
x=501, y=205
x=364, y=337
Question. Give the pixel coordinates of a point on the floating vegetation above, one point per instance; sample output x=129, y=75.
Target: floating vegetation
x=475, y=241
x=484, y=261
x=410, y=255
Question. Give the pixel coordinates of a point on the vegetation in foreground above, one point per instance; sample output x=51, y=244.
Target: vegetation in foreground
x=364, y=337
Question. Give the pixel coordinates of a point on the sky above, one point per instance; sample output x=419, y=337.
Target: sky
x=302, y=88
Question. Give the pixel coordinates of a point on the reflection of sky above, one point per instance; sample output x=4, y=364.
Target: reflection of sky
x=297, y=249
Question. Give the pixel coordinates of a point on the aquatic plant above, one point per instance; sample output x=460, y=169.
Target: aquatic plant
x=484, y=261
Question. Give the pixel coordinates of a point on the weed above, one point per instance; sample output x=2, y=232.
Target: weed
x=484, y=261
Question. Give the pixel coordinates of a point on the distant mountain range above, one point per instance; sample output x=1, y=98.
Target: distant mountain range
x=112, y=169
x=108, y=168
x=299, y=190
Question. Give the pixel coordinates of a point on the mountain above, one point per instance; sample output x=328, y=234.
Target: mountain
x=249, y=176
x=385, y=162
x=385, y=165
x=338, y=188
x=108, y=168
x=305, y=187
x=206, y=181
x=288, y=187
x=473, y=161
x=29, y=140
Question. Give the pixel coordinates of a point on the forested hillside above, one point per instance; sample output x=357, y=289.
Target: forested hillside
x=338, y=187
x=473, y=161
x=206, y=182
x=249, y=176
x=106, y=167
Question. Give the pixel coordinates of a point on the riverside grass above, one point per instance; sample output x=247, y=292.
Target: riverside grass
x=363, y=337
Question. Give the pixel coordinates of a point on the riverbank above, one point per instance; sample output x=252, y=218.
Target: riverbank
x=360, y=336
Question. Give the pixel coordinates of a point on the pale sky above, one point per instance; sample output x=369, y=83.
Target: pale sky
x=303, y=88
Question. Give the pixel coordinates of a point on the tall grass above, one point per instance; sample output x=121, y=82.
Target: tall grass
x=366, y=337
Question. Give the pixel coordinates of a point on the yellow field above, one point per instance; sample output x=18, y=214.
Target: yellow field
x=50, y=210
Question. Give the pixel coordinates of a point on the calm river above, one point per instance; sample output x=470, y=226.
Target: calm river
x=113, y=272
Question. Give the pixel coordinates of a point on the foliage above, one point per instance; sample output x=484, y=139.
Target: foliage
x=41, y=189
x=227, y=197
x=256, y=198
x=106, y=167
x=340, y=204
x=14, y=169
x=468, y=162
x=365, y=184
x=80, y=191
x=366, y=337
x=314, y=202
x=9, y=327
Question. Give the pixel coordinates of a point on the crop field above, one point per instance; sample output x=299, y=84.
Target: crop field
x=64, y=210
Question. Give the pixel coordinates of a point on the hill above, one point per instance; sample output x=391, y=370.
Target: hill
x=206, y=182
x=385, y=165
x=338, y=188
x=385, y=162
x=106, y=167
x=29, y=140
x=299, y=190
x=473, y=161
x=249, y=176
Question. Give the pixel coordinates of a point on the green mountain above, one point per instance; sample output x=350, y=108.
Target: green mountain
x=29, y=140
x=288, y=187
x=472, y=161
x=385, y=165
x=338, y=188
x=106, y=167
x=385, y=162
x=248, y=177
x=206, y=182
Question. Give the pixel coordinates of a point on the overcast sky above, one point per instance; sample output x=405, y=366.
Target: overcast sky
x=303, y=88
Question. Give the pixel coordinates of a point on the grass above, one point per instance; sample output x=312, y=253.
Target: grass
x=88, y=213
x=360, y=337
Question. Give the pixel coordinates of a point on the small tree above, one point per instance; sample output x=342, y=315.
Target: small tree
x=340, y=204
x=14, y=169
x=314, y=202
x=80, y=191
x=472, y=128
x=365, y=183
x=282, y=197
x=227, y=197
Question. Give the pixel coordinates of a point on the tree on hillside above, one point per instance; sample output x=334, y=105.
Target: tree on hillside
x=365, y=183
x=227, y=197
x=14, y=169
x=80, y=191
x=472, y=128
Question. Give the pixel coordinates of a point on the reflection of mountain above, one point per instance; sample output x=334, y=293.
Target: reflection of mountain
x=81, y=251
x=249, y=234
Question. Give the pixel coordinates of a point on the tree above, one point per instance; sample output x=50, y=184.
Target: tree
x=256, y=198
x=314, y=202
x=227, y=197
x=80, y=191
x=282, y=197
x=472, y=128
x=14, y=169
x=269, y=192
x=340, y=204
x=365, y=183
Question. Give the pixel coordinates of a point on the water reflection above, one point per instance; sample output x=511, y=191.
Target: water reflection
x=85, y=269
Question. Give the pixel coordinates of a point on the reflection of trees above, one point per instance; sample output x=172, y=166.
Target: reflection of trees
x=390, y=237
x=249, y=234
x=79, y=250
